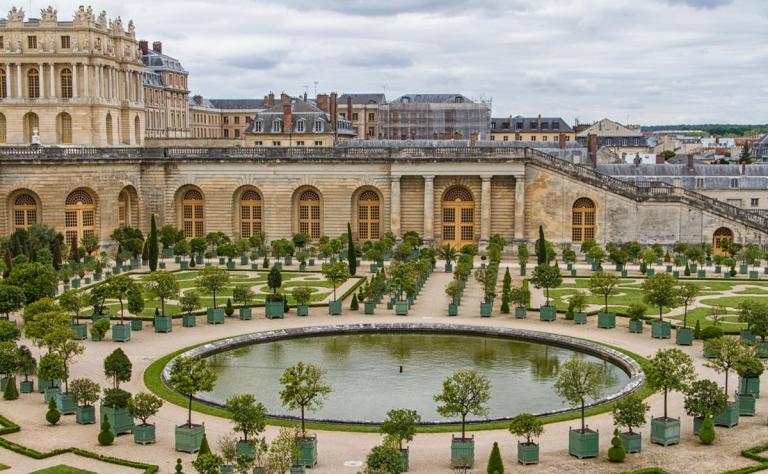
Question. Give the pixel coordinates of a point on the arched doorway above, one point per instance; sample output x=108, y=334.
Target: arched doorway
x=31, y=126
x=79, y=216
x=25, y=211
x=368, y=216
x=458, y=212
x=309, y=215
x=193, y=214
x=720, y=240
x=583, y=220
x=128, y=207
x=250, y=213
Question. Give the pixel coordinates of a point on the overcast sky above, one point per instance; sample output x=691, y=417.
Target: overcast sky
x=637, y=61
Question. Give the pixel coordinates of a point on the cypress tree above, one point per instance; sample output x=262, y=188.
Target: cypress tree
x=354, y=305
x=351, y=253
x=152, y=244
x=204, y=448
x=179, y=468
x=56, y=251
x=541, y=248
x=495, y=464
x=75, y=253
x=8, y=264
x=11, y=392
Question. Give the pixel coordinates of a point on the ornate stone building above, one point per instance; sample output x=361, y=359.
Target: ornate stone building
x=167, y=94
x=531, y=129
x=70, y=82
x=453, y=195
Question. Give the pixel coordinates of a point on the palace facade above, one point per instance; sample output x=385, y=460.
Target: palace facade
x=453, y=195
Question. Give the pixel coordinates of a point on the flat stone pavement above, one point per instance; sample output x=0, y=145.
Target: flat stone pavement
x=430, y=453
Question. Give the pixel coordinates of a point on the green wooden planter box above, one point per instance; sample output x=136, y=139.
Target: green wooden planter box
x=311, y=263
x=668, y=268
x=753, y=275
x=684, y=336
x=368, y=308
x=595, y=267
x=297, y=470
x=693, y=267
x=727, y=275
x=96, y=317
x=189, y=438
x=462, y=452
x=279, y=266
x=163, y=324
x=697, y=422
x=521, y=312
x=633, y=443
x=522, y=271
x=273, y=309
x=701, y=273
x=245, y=314
x=184, y=265
x=580, y=318
x=573, y=272
x=162, y=266
x=624, y=274
x=85, y=415
x=189, y=320
x=243, y=260
x=65, y=403
x=743, y=269
x=81, y=332
x=254, y=266
x=676, y=274
x=405, y=457
x=121, y=332
x=303, y=310
x=547, y=313
x=746, y=335
x=137, y=324
x=288, y=261
x=302, y=267
x=401, y=308
x=244, y=448
x=3, y=383
x=75, y=283
x=167, y=252
x=583, y=445
x=307, y=455
x=373, y=268
x=231, y=265
x=177, y=258
x=198, y=259
x=718, y=269
x=636, y=326
x=144, y=434
x=216, y=315
x=569, y=266
x=746, y=404
x=453, y=309
x=728, y=417
x=486, y=309
x=665, y=431
x=750, y=385
x=527, y=453
x=27, y=386
x=50, y=394
x=120, y=421
x=650, y=272
x=222, y=261
x=448, y=267
x=606, y=320
x=97, y=276
x=661, y=329
x=45, y=384
x=619, y=267
x=334, y=308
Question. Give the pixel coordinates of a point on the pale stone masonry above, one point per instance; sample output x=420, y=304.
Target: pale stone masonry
x=455, y=195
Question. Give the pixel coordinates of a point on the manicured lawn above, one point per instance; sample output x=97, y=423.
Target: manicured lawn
x=3, y=467
x=731, y=301
x=729, y=321
x=62, y=469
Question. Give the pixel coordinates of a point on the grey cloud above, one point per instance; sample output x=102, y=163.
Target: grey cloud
x=707, y=4
x=397, y=7
x=378, y=60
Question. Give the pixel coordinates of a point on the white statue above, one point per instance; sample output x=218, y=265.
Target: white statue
x=51, y=44
x=98, y=44
x=102, y=21
x=35, y=136
x=83, y=16
x=48, y=14
x=74, y=44
x=16, y=14
x=131, y=28
x=18, y=45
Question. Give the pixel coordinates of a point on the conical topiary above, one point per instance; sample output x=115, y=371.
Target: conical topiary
x=11, y=392
x=178, y=466
x=229, y=310
x=53, y=415
x=697, y=330
x=687, y=271
x=105, y=435
x=204, y=448
x=495, y=464
x=707, y=430
x=265, y=263
x=616, y=452
x=354, y=305
x=504, y=304
x=192, y=263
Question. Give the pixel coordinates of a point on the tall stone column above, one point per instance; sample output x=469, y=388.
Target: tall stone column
x=485, y=209
x=519, y=207
x=52, y=71
x=97, y=77
x=429, y=208
x=394, y=215
x=19, y=93
x=74, y=80
x=41, y=68
x=85, y=80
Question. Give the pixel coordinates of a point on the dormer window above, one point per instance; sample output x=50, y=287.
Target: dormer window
x=258, y=127
x=318, y=126
x=459, y=99
x=300, y=126
x=277, y=126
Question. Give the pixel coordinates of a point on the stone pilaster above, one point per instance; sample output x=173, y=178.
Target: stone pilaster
x=429, y=208
x=519, y=207
x=485, y=209
x=394, y=192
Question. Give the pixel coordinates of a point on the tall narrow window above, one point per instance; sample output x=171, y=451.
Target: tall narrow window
x=3, y=86
x=2, y=128
x=583, y=220
x=24, y=211
x=309, y=214
x=368, y=216
x=79, y=216
x=192, y=217
x=109, y=129
x=65, y=79
x=250, y=213
x=64, y=128
x=33, y=84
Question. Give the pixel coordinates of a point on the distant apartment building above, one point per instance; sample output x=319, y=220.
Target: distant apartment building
x=222, y=118
x=613, y=138
x=435, y=117
x=364, y=111
x=166, y=93
x=531, y=129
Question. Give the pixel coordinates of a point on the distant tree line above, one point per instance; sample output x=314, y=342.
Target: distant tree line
x=717, y=129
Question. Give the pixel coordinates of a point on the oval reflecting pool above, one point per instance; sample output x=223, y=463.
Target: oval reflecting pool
x=365, y=372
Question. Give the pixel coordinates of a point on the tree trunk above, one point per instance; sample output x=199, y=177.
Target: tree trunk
x=463, y=418
x=726, y=384
x=214, y=299
x=162, y=306
x=685, y=316
x=302, y=421
x=582, y=416
x=665, y=403
x=189, y=412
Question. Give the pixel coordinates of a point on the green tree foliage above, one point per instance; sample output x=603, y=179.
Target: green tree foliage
x=707, y=430
x=304, y=388
x=117, y=367
x=755, y=314
x=687, y=292
x=12, y=298
x=528, y=426
x=616, y=452
x=119, y=287
x=248, y=415
x=704, y=397
x=9, y=331
x=384, y=459
x=208, y=463
x=169, y=235
x=189, y=301
x=351, y=253
x=130, y=238
x=729, y=352
x=229, y=310
x=400, y=425
x=670, y=370
x=190, y=375
x=84, y=391
x=660, y=290
x=495, y=464
x=629, y=412
x=336, y=274
x=603, y=284
x=144, y=406
x=243, y=295
x=577, y=381
x=74, y=301
x=49, y=329
x=105, y=438
x=275, y=279
x=546, y=276
x=465, y=392
x=53, y=415
x=212, y=280
x=10, y=392
x=35, y=279
x=541, y=248
x=152, y=250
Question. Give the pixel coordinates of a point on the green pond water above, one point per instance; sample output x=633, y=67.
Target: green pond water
x=364, y=371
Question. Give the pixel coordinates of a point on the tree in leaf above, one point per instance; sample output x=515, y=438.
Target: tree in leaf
x=35, y=279
x=162, y=285
x=144, y=405
x=248, y=415
x=212, y=280
x=117, y=367
x=336, y=274
x=541, y=248
x=577, y=381
x=400, y=425
x=152, y=250
x=729, y=352
x=603, y=284
x=686, y=292
x=12, y=298
x=304, y=388
x=546, y=276
x=465, y=392
x=274, y=279
x=704, y=397
x=528, y=426
x=190, y=375
x=351, y=252
x=495, y=464
x=755, y=314
x=74, y=301
x=384, y=458
x=670, y=370
x=118, y=287
x=660, y=290
x=629, y=412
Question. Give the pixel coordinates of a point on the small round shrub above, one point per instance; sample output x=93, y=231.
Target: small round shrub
x=616, y=452
x=707, y=431
x=711, y=332
x=53, y=415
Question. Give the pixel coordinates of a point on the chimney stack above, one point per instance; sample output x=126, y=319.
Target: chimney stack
x=271, y=100
x=592, y=148
x=538, y=123
x=660, y=160
x=144, y=46
x=284, y=98
x=562, y=141
x=287, y=118
x=690, y=162
x=157, y=47
x=333, y=105
x=322, y=102
x=305, y=97
x=198, y=99
x=349, y=108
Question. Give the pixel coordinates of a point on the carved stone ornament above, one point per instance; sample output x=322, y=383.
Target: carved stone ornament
x=102, y=21
x=16, y=14
x=131, y=28
x=48, y=14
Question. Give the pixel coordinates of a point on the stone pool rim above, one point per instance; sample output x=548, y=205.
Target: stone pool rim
x=626, y=363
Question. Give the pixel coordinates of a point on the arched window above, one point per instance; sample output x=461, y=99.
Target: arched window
x=64, y=127
x=24, y=211
x=193, y=214
x=458, y=213
x=368, y=216
x=2, y=129
x=583, y=220
x=137, y=130
x=309, y=214
x=3, y=84
x=250, y=213
x=721, y=239
x=65, y=79
x=33, y=84
x=31, y=126
x=109, y=129
x=79, y=216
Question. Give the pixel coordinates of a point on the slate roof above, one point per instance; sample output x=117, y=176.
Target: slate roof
x=239, y=104
x=714, y=176
x=530, y=124
x=300, y=111
x=363, y=99
x=433, y=99
x=162, y=62
x=610, y=128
